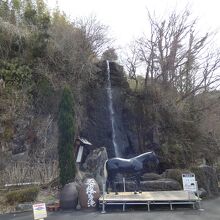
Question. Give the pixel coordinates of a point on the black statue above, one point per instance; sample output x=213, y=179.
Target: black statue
x=136, y=167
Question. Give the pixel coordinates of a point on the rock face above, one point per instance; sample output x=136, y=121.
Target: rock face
x=152, y=185
x=69, y=196
x=160, y=185
x=89, y=193
x=151, y=182
x=175, y=174
x=94, y=164
x=205, y=175
x=207, y=179
x=98, y=127
x=150, y=176
x=32, y=144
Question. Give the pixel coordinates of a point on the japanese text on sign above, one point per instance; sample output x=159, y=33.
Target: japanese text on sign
x=189, y=182
x=40, y=211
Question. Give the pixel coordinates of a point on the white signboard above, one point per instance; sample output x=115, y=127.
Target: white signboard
x=189, y=182
x=40, y=211
x=79, y=155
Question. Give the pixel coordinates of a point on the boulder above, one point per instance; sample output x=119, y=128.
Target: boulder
x=207, y=179
x=94, y=164
x=69, y=196
x=202, y=193
x=89, y=193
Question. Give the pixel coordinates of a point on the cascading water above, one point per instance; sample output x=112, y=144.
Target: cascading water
x=111, y=110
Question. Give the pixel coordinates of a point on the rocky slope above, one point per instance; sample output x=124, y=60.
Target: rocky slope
x=98, y=126
x=29, y=138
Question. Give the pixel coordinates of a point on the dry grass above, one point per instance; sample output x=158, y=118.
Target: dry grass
x=22, y=195
x=22, y=172
x=4, y=207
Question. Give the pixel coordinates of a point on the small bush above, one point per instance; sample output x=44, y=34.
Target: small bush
x=15, y=72
x=22, y=195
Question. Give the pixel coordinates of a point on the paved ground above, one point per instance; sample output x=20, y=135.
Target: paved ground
x=211, y=212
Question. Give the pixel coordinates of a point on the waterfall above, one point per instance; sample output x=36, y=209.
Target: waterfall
x=111, y=109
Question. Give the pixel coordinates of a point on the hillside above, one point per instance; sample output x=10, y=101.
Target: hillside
x=43, y=52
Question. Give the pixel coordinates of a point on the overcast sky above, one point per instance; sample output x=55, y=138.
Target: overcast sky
x=127, y=19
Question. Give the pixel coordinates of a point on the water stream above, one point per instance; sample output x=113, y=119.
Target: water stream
x=111, y=110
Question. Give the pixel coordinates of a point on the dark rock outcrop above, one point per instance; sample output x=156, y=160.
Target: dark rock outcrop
x=175, y=174
x=160, y=185
x=98, y=126
x=207, y=179
x=205, y=176
x=94, y=164
x=150, y=176
x=152, y=185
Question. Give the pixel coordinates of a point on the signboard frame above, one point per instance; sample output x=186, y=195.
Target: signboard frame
x=189, y=182
x=40, y=211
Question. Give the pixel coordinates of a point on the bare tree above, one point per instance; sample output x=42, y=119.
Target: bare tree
x=131, y=62
x=175, y=55
x=110, y=54
x=95, y=32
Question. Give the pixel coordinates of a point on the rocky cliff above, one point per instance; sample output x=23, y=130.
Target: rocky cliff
x=98, y=127
x=28, y=141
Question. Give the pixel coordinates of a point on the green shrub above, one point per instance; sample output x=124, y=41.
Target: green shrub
x=15, y=72
x=22, y=195
x=66, y=137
